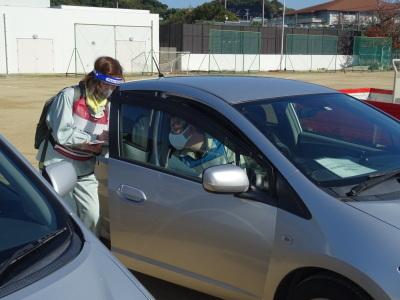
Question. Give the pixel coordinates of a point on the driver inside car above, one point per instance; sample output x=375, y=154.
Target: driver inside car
x=195, y=150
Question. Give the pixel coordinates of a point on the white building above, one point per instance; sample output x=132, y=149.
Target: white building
x=25, y=3
x=37, y=39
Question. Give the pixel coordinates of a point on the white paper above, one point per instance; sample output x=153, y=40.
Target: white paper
x=96, y=142
x=343, y=167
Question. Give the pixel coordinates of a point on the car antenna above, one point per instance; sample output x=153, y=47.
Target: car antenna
x=160, y=75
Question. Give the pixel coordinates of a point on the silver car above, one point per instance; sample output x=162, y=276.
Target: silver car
x=45, y=252
x=305, y=204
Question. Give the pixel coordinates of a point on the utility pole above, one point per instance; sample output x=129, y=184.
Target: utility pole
x=247, y=13
x=225, y=4
x=283, y=33
x=263, y=12
x=117, y=3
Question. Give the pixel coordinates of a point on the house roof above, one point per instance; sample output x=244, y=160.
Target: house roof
x=347, y=6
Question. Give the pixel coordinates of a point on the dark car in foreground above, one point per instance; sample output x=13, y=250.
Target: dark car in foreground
x=45, y=251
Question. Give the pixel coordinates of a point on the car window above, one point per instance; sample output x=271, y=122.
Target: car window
x=185, y=142
x=333, y=139
x=25, y=213
x=191, y=149
x=334, y=120
x=135, y=133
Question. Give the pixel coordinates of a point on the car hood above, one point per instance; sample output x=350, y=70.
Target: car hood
x=94, y=274
x=386, y=211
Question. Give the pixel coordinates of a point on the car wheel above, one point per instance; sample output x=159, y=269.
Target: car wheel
x=325, y=286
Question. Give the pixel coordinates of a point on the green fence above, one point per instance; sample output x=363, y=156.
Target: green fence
x=395, y=53
x=303, y=44
x=234, y=42
x=374, y=52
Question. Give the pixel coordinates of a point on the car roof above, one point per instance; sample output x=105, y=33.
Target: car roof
x=233, y=89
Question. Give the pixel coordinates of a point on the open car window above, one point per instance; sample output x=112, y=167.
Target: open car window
x=147, y=138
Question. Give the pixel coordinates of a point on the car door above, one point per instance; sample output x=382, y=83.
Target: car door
x=164, y=223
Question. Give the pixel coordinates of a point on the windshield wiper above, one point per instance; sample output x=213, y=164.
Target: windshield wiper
x=373, y=180
x=25, y=251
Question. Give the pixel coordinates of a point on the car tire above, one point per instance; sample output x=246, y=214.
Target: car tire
x=325, y=286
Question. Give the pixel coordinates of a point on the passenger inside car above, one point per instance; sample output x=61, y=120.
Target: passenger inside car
x=193, y=150
x=165, y=141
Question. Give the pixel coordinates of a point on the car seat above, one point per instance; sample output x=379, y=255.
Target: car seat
x=257, y=114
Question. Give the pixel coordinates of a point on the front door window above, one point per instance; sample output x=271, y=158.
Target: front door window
x=184, y=141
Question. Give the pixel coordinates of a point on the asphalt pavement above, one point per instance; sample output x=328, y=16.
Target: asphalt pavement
x=162, y=290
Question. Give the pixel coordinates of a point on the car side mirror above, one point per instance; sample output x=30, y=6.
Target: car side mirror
x=228, y=179
x=62, y=177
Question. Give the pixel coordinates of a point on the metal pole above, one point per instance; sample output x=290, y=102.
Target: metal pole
x=396, y=85
x=115, y=42
x=76, y=57
x=152, y=46
x=225, y=4
x=283, y=33
x=117, y=4
x=5, y=42
x=263, y=12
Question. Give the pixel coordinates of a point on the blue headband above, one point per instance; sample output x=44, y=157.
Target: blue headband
x=108, y=79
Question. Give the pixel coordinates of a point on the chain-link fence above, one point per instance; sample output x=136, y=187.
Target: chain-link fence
x=311, y=52
x=234, y=42
x=395, y=53
x=172, y=61
x=305, y=44
x=233, y=51
x=216, y=47
x=375, y=53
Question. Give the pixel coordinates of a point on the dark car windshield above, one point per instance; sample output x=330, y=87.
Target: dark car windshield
x=335, y=140
x=27, y=214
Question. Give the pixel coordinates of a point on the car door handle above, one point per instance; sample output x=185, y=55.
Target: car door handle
x=130, y=193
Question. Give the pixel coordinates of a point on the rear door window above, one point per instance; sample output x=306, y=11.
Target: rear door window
x=135, y=132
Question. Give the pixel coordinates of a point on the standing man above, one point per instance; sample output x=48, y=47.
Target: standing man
x=78, y=120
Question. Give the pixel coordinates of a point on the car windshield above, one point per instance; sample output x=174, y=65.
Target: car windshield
x=26, y=214
x=334, y=139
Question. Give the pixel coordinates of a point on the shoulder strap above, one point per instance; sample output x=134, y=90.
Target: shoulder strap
x=44, y=150
x=79, y=91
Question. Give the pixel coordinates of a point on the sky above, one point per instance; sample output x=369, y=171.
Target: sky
x=290, y=3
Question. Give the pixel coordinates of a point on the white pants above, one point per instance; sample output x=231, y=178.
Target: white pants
x=84, y=201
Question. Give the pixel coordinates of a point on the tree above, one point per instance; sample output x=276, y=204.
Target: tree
x=273, y=8
x=212, y=11
x=388, y=24
x=209, y=11
x=177, y=16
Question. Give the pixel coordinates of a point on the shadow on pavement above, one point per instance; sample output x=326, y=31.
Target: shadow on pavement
x=162, y=290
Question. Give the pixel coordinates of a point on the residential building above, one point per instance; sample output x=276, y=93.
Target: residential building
x=339, y=13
